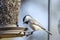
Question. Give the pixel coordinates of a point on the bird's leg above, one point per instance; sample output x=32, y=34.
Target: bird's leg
x=32, y=32
x=29, y=33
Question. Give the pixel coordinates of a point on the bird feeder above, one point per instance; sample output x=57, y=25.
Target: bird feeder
x=9, y=10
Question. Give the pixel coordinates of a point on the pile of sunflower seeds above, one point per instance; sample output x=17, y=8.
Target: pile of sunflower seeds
x=9, y=10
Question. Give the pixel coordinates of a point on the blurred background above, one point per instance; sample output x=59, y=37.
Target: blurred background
x=55, y=19
x=38, y=9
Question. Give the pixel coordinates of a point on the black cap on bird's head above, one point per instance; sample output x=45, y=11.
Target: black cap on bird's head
x=26, y=19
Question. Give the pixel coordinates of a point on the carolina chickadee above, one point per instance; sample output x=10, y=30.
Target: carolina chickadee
x=33, y=24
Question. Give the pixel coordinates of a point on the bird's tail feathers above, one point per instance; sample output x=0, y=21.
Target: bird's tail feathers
x=48, y=32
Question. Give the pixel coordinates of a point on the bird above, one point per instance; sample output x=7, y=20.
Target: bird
x=34, y=25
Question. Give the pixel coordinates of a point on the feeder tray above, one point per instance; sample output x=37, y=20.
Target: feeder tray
x=9, y=32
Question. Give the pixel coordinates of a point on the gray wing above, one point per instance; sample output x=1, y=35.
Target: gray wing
x=34, y=22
